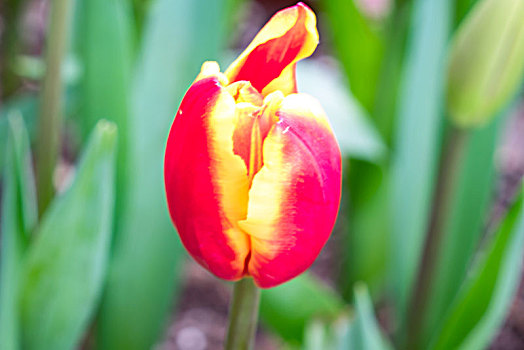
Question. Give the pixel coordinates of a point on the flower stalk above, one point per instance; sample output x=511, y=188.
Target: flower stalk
x=448, y=173
x=50, y=121
x=243, y=315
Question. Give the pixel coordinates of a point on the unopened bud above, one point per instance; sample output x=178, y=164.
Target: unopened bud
x=486, y=61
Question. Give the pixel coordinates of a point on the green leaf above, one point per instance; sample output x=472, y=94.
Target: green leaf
x=462, y=8
x=366, y=189
x=26, y=106
x=178, y=36
x=359, y=332
x=388, y=89
x=19, y=216
x=417, y=142
x=66, y=264
x=485, y=297
x=287, y=309
x=364, y=332
x=360, y=48
x=327, y=336
x=366, y=240
x=468, y=211
x=105, y=51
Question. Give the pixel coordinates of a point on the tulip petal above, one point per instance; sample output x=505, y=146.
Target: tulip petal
x=289, y=36
x=294, y=198
x=251, y=127
x=206, y=183
x=286, y=82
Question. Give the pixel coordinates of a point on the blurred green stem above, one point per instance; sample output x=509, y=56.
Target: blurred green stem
x=9, y=44
x=448, y=173
x=50, y=119
x=243, y=315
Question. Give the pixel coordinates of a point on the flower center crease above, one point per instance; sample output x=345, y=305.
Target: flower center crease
x=254, y=118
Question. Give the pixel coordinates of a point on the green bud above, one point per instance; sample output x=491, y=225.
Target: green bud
x=486, y=61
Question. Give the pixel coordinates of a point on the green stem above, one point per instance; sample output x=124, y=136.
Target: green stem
x=9, y=48
x=448, y=173
x=243, y=315
x=50, y=121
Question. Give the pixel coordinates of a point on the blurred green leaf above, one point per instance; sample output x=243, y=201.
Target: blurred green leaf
x=468, y=212
x=417, y=142
x=359, y=332
x=356, y=136
x=66, y=264
x=388, y=89
x=316, y=336
x=19, y=216
x=462, y=8
x=360, y=48
x=480, y=307
x=364, y=332
x=105, y=41
x=24, y=105
x=178, y=37
x=366, y=240
x=140, y=11
x=104, y=44
x=365, y=197
x=287, y=309
x=27, y=106
x=492, y=33
x=327, y=336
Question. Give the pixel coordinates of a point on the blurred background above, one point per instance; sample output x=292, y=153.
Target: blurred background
x=84, y=270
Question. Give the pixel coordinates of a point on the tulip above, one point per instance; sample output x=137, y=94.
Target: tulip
x=486, y=62
x=252, y=168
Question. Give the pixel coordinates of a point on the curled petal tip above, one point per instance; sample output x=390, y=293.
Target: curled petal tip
x=289, y=36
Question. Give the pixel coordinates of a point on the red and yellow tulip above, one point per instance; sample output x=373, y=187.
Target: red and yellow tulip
x=252, y=168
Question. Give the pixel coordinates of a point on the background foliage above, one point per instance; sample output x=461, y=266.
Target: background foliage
x=417, y=92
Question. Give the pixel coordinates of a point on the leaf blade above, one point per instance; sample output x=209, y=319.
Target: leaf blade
x=360, y=47
x=364, y=332
x=65, y=267
x=480, y=307
x=468, y=211
x=104, y=38
x=286, y=309
x=418, y=141
x=19, y=216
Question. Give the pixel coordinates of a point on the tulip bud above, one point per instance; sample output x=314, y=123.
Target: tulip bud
x=486, y=61
x=252, y=168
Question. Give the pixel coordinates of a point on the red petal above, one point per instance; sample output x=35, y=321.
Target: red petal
x=294, y=199
x=206, y=184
